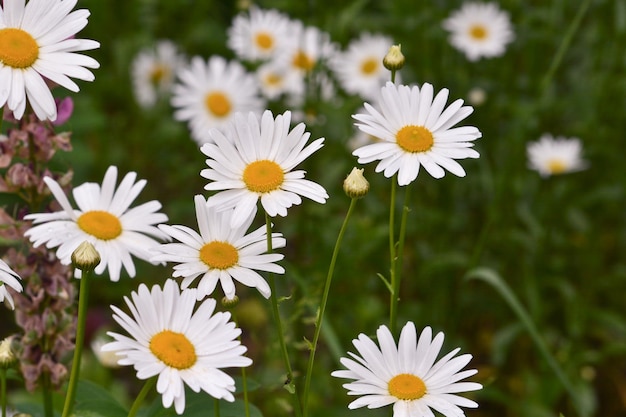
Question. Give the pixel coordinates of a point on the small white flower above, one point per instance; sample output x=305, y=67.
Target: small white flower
x=407, y=375
x=168, y=339
x=479, y=30
x=8, y=278
x=104, y=219
x=220, y=253
x=308, y=46
x=276, y=80
x=153, y=71
x=553, y=156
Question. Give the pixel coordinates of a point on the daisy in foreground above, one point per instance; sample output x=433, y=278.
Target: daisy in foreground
x=479, y=30
x=8, y=278
x=168, y=339
x=37, y=44
x=415, y=130
x=553, y=156
x=251, y=162
x=105, y=220
x=407, y=375
x=220, y=253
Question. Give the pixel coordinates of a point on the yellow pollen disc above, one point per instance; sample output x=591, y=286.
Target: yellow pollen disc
x=273, y=79
x=406, y=387
x=556, y=166
x=369, y=66
x=218, y=104
x=219, y=255
x=158, y=73
x=18, y=49
x=100, y=224
x=173, y=349
x=263, y=176
x=303, y=61
x=478, y=32
x=264, y=40
x=414, y=139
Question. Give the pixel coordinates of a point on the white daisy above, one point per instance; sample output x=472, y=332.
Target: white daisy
x=258, y=35
x=37, y=44
x=308, y=46
x=181, y=346
x=104, y=219
x=153, y=72
x=479, y=30
x=276, y=80
x=360, y=68
x=415, y=130
x=8, y=278
x=252, y=161
x=407, y=375
x=553, y=156
x=210, y=93
x=220, y=252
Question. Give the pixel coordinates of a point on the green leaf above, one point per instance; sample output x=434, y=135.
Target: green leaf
x=94, y=401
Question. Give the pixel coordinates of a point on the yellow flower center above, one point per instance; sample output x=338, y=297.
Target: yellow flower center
x=100, y=224
x=173, y=349
x=159, y=73
x=218, y=104
x=414, y=139
x=406, y=387
x=369, y=66
x=219, y=255
x=556, y=166
x=273, y=79
x=264, y=40
x=18, y=49
x=302, y=61
x=478, y=32
x=263, y=176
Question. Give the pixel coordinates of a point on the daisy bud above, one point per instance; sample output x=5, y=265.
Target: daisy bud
x=394, y=60
x=355, y=185
x=85, y=257
x=7, y=358
x=230, y=303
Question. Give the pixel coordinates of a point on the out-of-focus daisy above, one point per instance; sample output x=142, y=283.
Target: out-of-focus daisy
x=104, y=218
x=276, y=80
x=37, y=44
x=209, y=93
x=308, y=46
x=8, y=278
x=168, y=339
x=258, y=35
x=153, y=72
x=254, y=161
x=415, y=130
x=553, y=156
x=407, y=376
x=360, y=68
x=106, y=358
x=479, y=30
x=220, y=253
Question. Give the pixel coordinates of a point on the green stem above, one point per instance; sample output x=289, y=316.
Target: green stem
x=246, y=401
x=78, y=348
x=396, y=274
x=392, y=238
x=3, y=390
x=322, y=307
x=48, y=409
x=141, y=396
x=1, y=118
x=289, y=384
x=216, y=407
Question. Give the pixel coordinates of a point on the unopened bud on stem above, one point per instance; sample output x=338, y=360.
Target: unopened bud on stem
x=355, y=185
x=394, y=60
x=85, y=257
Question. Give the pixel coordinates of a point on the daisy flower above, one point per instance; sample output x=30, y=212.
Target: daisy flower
x=168, y=339
x=220, y=253
x=153, y=72
x=254, y=161
x=8, y=278
x=37, y=44
x=479, y=30
x=210, y=93
x=360, y=68
x=276, y=80
x=308, y=46
x=258, y=35
x=104, y=219
x=415, y=130
x=407, y=376
x=553, y=156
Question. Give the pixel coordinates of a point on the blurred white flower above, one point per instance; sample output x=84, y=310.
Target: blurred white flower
x=552, y=156
x=153, y=71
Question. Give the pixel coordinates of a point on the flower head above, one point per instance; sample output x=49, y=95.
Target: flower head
x=104, y=219
x=168, y=339
x=37, y=44
x=407, y=375
x=355, y=185
x=8, y=278
x=153, y=72
x=553, y=156
x=416, y=129
x=479, y=30
x=254, y=161
x=209, y=93
x=220, y=253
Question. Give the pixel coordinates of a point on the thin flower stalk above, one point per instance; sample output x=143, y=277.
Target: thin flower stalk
x=147, y=387
x=397, y=261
